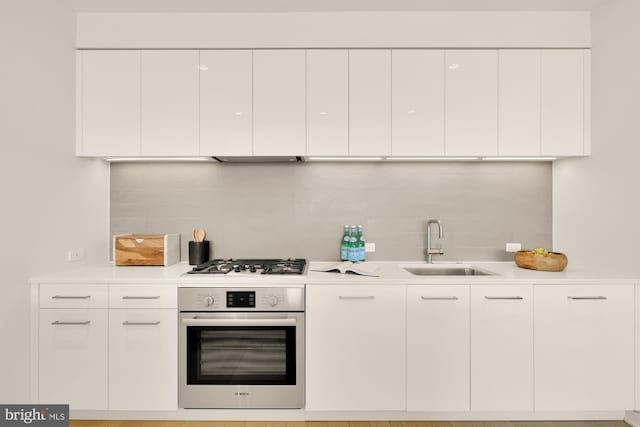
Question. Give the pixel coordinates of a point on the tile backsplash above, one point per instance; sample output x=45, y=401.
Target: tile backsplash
x=299, y=210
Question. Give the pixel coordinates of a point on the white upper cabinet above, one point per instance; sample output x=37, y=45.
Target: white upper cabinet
x=584, y=351
x=169, y=102
x=370, y=102
x=471, y=102
x=438, y=348
x=226, y=102
x=279, y=117
x=327, y=102
x=563, y=102
x=108, y=107
x=334, y=102
x=502, y=348
x=519, y=102
x=418, y=103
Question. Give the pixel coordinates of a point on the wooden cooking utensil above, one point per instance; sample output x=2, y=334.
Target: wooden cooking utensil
x=199, y=235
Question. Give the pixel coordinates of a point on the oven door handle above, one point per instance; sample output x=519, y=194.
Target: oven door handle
x=238, y=322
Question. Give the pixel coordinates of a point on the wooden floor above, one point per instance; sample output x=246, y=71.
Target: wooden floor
x=79, y=423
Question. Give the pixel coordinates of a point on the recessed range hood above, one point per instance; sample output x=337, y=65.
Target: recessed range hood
x=259, y=159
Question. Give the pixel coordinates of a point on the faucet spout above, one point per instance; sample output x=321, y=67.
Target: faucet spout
x=429, y=252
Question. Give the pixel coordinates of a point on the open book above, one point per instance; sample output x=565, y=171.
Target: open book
x=350, y=267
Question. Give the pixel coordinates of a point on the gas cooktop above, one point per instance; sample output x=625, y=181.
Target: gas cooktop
x=258, y=266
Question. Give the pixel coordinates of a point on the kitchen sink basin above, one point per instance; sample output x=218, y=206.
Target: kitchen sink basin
x=447, y=271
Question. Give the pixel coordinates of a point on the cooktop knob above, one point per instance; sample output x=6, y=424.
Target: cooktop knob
x=209, y=301
x=273, y=300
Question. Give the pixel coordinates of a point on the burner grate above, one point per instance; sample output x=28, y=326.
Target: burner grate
x=264, y=266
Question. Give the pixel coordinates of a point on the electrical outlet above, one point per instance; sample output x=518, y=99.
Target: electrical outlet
x=369, y=247
x=513, y=247
x=75, y=254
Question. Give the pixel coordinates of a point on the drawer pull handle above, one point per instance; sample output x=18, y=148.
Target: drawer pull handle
x=71, y=297
x=57, y=322
x=600, y=297
x=356, y=297
x=439, y=298
x=131, y=297
x=503, y=298
x=127, y=323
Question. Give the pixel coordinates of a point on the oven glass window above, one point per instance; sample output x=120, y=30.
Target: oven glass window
x=251, y=355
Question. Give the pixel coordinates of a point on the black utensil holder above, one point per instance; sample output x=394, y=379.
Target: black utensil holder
x=198, y=252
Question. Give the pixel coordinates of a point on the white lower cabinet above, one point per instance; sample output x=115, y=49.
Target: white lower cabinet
x=72, y=354
x=355, y=347
x=501, y=348
x=637, y=348
x=143, y=359
x=438, y=348
x=584, y=351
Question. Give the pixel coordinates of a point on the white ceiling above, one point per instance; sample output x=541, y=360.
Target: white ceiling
x=213, y=6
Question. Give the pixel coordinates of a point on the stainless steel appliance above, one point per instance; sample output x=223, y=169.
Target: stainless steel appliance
x=241, y=347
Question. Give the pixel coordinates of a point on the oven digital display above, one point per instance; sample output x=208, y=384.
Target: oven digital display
x=241, y=299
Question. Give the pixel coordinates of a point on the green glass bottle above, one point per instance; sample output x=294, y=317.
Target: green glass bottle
x=344, y=246
x=361, y=256
x=353, y=245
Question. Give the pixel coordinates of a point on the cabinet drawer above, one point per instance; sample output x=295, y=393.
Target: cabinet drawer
x=73, y=296
x=143, y=296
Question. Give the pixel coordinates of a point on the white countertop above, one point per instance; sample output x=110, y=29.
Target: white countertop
x=390, y=273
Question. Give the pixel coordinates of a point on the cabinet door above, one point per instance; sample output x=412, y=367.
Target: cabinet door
x=109, y=103
x=637, y=347
x=584, y=353
x=169, y=102
x=355, y=347
x=519, y=102
x=562, y=74
x=143, y=359
x=279, y=127
x=438, y=348
x=73, y=357
x=471, y=102
x=370, y=102
x=327, y=102
x=226, y=102
x=501, y=348
x=417, y=103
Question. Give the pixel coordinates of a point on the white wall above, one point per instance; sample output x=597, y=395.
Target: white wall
x=334, y=29
x=596, y=201
x=51, y=200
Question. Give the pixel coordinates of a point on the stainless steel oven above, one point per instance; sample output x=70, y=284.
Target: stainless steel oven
x=241, y=347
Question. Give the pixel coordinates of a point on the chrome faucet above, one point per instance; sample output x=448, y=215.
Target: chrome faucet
x=431, y=251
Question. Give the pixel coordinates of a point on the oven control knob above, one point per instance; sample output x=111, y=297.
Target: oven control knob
x=273, y=300
x=209, y=301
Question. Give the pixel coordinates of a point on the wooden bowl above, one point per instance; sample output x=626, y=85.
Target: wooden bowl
x=554, y=261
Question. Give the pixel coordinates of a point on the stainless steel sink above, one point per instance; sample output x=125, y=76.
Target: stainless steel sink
x=447, y=271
